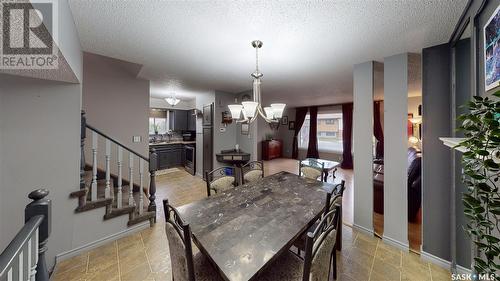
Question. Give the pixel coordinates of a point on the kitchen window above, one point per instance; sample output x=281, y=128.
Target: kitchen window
x=158, y=125
x=329, y=130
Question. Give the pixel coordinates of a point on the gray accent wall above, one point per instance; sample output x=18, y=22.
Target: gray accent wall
x=227, y=139
x=462, y=96
x=436, y=158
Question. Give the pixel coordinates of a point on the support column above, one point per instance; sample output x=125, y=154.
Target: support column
x=395, y=150
x=363, y=146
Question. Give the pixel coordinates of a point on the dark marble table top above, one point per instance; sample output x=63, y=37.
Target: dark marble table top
x=328, y=164
x=244, y=228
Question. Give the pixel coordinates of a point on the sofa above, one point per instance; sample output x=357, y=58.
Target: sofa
x=414, y=178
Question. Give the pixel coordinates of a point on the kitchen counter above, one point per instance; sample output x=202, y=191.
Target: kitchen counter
x=172, y=142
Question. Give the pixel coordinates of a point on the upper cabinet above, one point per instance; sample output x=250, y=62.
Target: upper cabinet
x=191, y=121
x=176, y=119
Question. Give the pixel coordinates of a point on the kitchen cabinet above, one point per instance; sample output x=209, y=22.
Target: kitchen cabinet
x=191, y=121
x=178, y=119
x=170, y=155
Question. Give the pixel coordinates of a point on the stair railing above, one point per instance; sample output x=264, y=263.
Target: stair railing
x=151, y=161
x=24, y=257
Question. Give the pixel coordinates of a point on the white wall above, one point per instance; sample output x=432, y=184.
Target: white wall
x=116, y=102
x=395, y=150
x=363, y=146
x=39, y=121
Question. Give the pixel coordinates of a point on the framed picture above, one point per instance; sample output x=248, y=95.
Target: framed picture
x=492, y=51
x=245, y=128
x=291, y=125
x=284, y=120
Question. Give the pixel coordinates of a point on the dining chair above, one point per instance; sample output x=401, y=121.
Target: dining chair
x=185, y=266
x=252, y=171
x=312, y=170
x=333, y=201
x=220, y=179
x=336, y=201
x=319, y=256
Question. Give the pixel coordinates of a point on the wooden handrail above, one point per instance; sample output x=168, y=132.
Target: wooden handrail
x=116, y=142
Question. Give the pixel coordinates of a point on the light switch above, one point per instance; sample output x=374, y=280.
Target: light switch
x=136, y=139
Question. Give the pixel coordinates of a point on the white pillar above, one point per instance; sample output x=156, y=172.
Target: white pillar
x=395, y=150
x=363, y=145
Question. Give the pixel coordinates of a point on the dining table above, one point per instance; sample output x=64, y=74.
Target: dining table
x=244, y=229
x=328, y=166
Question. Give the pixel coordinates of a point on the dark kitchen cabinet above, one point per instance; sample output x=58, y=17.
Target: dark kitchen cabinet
x=191, y=121
x=178, y=119
x=170, y=155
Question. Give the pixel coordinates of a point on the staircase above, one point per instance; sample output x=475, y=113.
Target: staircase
x=119, y=196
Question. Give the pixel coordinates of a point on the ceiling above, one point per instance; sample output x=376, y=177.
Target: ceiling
x=309, y=48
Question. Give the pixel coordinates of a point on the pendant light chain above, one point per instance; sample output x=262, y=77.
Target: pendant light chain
x=257, y=59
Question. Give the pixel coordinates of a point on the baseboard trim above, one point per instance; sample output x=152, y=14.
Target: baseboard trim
x=463, y=270
x=396, y=243
x=92, y=245
x=435, y=260
x=362, y=229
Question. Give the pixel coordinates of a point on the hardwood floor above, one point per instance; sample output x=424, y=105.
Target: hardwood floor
x=145, y=254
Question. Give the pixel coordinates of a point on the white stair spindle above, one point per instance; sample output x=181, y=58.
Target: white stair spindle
x=119, y=194
x=107, y=191
x=33, y=254
x=93, y=186
x=21, y=266
x=141, y=179
x=131, y=179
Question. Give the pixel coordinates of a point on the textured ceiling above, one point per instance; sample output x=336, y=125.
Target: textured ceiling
x=309, y=47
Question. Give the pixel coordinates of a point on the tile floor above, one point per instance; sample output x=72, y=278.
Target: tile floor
x=145, y=256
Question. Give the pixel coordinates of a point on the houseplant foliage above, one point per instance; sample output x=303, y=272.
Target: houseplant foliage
x=481, y=172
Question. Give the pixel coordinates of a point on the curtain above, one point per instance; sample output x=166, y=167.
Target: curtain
x=300, y=116
x=377, y=130
x=347, y=136
x=312, y=149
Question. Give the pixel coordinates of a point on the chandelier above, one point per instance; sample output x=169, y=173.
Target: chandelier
x=251, y=109
x=172, y=100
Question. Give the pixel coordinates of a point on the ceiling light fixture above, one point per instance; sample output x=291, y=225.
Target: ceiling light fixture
x=252, y=109
x=172, y=100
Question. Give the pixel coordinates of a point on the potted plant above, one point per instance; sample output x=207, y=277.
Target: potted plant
x=481, y=172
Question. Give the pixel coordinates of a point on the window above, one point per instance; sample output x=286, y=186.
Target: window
x=329, y=130
x=159, y=125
